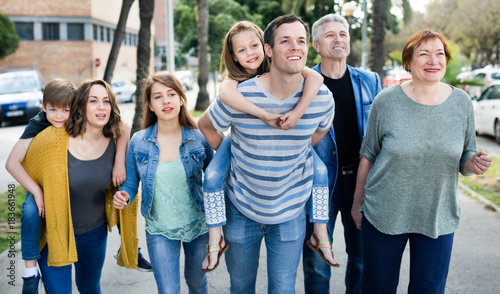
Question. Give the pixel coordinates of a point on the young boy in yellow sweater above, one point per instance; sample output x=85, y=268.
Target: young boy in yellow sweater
x=57, y=97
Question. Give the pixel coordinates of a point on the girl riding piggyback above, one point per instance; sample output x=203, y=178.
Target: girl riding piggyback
x=243, y=58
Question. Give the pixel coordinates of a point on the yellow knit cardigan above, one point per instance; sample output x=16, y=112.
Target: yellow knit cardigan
x=46, y=162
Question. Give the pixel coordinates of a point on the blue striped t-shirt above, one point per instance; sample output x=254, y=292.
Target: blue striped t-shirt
x=271, y=169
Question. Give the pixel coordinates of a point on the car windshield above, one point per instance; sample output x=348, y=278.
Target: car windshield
x=495, y=75
x=14, y=83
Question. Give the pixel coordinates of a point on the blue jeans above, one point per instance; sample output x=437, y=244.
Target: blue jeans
x=91, y=250
x=30, y=229
x=429, y=261
x=164, y=254
x=218, y=170
x=283, y=243
x=316, y=271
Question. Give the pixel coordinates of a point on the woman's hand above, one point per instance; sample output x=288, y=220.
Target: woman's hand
x=120, y=199
x=479, y=163
x=119, y=174
x=357, y=216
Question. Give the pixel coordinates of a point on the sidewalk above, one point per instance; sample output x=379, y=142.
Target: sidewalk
x=475, y=263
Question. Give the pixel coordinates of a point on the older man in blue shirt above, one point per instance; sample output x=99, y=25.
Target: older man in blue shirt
x=353, y=91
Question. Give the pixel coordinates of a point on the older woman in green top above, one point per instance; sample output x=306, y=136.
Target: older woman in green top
x=420, y=134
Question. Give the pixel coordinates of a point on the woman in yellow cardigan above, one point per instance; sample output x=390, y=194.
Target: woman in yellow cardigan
x=74, y=168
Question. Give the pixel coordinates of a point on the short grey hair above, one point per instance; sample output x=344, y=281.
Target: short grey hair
x=317, y=27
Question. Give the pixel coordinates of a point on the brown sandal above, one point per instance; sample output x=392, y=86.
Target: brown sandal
x=212, y=248
x=321, y=244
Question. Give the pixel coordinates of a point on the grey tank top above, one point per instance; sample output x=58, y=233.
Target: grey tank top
x=88, y=180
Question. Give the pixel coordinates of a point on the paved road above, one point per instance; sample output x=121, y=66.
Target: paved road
x=475, y=264
x=474, y=268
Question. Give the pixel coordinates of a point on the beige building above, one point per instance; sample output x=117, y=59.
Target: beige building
x=72, y=39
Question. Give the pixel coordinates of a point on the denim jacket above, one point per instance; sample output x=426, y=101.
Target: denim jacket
x=142, y=159
x=366, y=85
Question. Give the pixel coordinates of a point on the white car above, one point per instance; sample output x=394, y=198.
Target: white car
x=21, y=91
x=489, y=76
x=186, y=79
x=487, y=112
x=124, y=91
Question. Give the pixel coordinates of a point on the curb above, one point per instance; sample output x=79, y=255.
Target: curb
x=490, y=205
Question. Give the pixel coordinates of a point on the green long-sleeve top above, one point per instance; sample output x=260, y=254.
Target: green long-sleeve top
x=417, y=152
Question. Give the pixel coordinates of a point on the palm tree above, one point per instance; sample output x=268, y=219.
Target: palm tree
x=203, y=100
x=377, y=36
x=146, y=8
x=117, y=40
x=382, y=19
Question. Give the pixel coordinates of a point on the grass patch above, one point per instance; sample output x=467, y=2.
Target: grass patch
x=196, y=113
x=10, y=214
x=487, y=185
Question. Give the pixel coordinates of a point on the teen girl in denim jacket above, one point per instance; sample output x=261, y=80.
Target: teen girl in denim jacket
x=168, y=157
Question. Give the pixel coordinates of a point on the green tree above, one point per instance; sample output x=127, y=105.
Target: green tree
x=188, y=28
x=117, y=40
x=9, y=40
x=383, y=19
x=203, y=100
x=146, y=8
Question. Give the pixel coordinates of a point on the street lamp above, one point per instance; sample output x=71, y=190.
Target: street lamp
x=348, y=9
x=364, y=56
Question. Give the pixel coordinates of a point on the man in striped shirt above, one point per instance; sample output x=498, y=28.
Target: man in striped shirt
x=271, y=171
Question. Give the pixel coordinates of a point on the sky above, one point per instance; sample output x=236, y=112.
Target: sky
x=419, y=5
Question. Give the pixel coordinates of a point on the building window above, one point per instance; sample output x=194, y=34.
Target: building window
x=95, y=30
x=102, y=34
x=75, y=31
x=24, y=30
x=108, y=35
x=50, y=31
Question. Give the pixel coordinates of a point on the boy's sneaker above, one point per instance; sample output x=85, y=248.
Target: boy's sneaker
x=30, y=284
x=142, y=264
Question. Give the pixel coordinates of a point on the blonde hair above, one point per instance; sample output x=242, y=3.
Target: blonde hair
x=233, y=69
x=168, y=80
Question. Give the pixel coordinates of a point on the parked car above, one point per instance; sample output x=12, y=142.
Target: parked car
x=489, y=76
x=487, y=112
x=186, y=79
x=396, y=76
x=124, y=91
x=21, y=92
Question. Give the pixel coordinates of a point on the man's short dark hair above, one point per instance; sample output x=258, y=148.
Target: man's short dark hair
x=270, y=31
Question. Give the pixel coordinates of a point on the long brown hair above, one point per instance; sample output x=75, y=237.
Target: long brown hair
x=76, y=124
x=168, y=80
x=233, y=69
